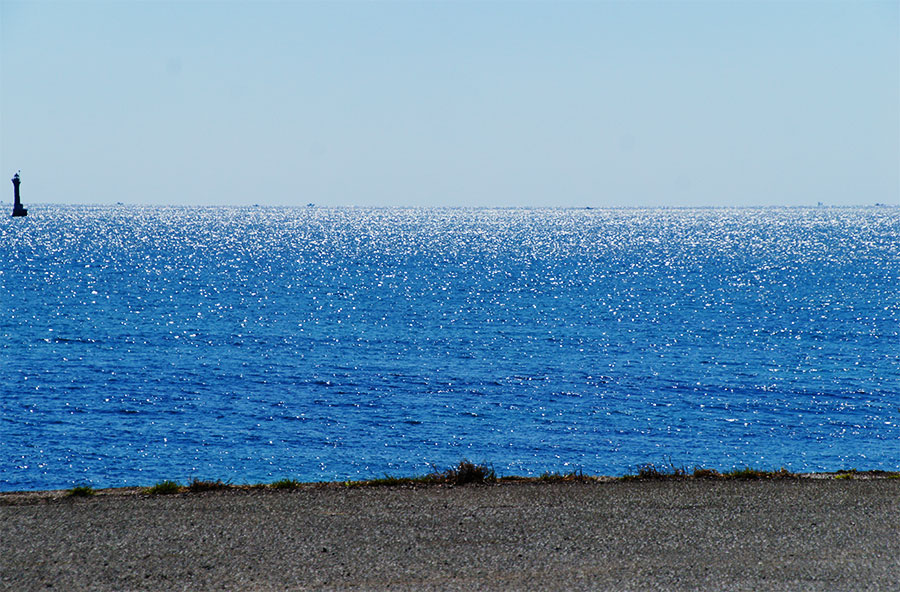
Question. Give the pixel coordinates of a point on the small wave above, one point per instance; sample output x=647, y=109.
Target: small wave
x=70, y=340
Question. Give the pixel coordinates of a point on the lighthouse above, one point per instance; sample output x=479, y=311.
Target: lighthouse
x=18, y=210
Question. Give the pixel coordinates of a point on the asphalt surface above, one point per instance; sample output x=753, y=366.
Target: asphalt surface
x=809, y=534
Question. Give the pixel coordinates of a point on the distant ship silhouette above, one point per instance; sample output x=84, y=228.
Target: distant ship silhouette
x=18, y=210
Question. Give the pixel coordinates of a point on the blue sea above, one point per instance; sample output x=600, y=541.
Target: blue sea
x=253, y=344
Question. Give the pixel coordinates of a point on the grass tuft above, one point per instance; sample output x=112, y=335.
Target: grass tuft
x=285, y=484
x=197, y=485
x=82, y=491
x=466, y=473
x=750, y=474
x=872, y=474
x=164, y=488
x=651, y=472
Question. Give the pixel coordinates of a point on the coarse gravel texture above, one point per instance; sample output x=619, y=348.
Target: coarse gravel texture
x=785, y=534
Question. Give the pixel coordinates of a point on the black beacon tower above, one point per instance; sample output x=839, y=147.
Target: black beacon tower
x=18, y=210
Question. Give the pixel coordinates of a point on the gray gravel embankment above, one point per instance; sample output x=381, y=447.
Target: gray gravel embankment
x=809, y=534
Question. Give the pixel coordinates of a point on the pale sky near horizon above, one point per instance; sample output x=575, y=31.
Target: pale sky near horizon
x=451, y=103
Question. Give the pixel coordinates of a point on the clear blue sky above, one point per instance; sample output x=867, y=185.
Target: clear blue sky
x=451, y=103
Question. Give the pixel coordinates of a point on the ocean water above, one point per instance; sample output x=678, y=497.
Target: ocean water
x=252, y=344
